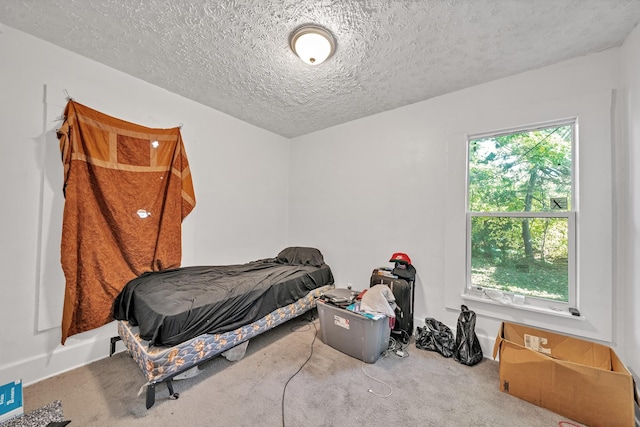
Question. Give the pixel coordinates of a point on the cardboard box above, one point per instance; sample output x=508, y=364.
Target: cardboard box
x=578, y=379
x=11, y=400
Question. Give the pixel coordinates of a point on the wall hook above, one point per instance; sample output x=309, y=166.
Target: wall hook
x=66, y=94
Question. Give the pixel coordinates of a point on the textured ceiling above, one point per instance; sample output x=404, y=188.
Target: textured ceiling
x=234, y=55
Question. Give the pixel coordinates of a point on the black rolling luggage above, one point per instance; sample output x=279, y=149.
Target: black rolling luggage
x=403, y=291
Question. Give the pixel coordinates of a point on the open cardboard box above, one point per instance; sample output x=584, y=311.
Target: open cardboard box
x=578, y=379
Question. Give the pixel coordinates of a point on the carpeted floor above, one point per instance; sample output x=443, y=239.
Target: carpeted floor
x=332, y=389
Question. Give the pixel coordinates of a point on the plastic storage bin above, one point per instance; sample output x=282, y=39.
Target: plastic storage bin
x=352, y=333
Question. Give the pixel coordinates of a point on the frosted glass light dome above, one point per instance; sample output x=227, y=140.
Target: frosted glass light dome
x=312, y=44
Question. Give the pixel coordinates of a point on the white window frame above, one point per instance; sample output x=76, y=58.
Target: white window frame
x=594, y=243
x=532, y=302
x=529, y=300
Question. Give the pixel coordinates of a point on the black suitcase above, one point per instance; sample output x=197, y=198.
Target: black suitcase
x=404, y=292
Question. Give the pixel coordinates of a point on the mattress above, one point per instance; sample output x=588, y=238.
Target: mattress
x=173, y=306
x=161, y=362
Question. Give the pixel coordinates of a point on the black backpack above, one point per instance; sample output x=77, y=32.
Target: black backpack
x=467, y=349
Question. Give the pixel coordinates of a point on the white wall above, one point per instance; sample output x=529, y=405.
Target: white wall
x=628, y=250
x=359, y=191
x=240, y=175
x=382, y=184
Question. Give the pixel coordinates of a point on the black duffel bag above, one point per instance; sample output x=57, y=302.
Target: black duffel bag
x=435, y=336
x=467, y=348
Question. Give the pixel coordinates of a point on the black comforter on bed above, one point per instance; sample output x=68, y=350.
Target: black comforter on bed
x=176, y=305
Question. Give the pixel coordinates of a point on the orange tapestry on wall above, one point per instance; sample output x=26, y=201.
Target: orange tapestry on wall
x=127, y=189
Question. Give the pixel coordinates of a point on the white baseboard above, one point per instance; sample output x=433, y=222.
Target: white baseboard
x=79, y=350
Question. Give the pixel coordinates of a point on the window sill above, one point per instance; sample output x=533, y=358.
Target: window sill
x=526, y=307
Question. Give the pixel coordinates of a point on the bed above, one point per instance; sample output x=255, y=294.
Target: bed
x=174, y=320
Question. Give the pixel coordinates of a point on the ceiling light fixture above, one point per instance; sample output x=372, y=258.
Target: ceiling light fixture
x=313, y=44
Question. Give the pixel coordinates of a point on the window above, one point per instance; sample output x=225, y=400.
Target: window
x=521, y=215
x=588, y=217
